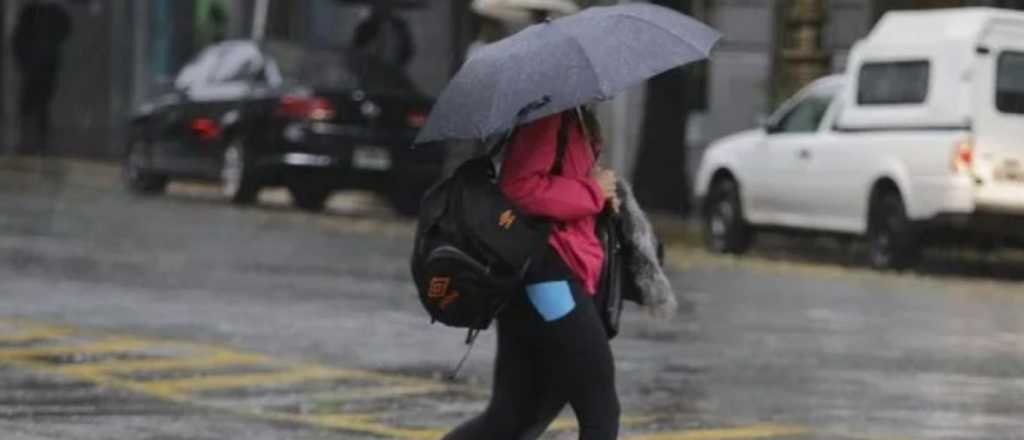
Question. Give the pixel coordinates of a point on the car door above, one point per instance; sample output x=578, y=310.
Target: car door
x=215, y=101
x=839, y=167
x=779, y=191
x=171, y=133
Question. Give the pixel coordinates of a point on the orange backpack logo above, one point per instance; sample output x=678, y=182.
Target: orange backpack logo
x=507, y=219
x=438, y=287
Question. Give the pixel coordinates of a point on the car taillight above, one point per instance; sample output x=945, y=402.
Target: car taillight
x=963, y=156
x=306, y=107
x=416, y=119
x=206, y=129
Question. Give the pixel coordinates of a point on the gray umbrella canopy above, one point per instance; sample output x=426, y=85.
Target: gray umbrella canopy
x=564, y=63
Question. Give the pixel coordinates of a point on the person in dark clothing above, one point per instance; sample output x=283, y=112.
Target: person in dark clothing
x=41, y=30
x=541, y=366
x=552, y=345
x=385, y=36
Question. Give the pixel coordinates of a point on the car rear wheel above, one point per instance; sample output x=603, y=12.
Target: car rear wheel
x=237, y=181
x=136, y=178
x=892, y=238
x=310, y=197
x=725, y=230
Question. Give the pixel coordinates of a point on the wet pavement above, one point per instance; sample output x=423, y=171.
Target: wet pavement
x=182, y=317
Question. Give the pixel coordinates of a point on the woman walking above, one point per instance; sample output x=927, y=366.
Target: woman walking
x=552, y=346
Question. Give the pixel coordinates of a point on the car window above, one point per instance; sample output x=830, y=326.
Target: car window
x=197, y=70
x=236, y=62
x=892, y=83
x=1010, y=83
x=805, y=116
x=334, y=67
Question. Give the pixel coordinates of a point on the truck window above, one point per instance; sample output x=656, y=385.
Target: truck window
x=1010, y=83
x=892, y=83
x=806, y=116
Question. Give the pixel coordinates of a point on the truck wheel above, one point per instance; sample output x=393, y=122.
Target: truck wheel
x=725, y=231
x=892, y=238
x=237, y=180
x=310, y=197
x=136, y=178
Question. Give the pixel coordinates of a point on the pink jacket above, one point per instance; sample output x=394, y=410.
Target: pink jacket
x=572, y=199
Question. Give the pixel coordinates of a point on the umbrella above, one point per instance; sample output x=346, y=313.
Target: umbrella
x=519, y=11
x=554, y=66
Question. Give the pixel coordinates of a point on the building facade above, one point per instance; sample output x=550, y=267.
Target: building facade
x=123, y=51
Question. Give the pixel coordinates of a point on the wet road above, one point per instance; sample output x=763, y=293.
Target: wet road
x=181, y=317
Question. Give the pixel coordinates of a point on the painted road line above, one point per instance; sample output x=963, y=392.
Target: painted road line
x=107, y=345
x=757, y=431
x=219, y=358
x=327, y=401
x=35, y=333
x=378, y=393
x=290, y=376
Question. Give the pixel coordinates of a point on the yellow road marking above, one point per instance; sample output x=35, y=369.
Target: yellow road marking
x=36, y=333
x=108, y=345
x=380, y=392
x=213, y=360
x=199, y=356
x=290, y=376
x=739, y=433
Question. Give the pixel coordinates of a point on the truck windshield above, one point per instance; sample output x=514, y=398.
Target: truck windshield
x=1010, y=83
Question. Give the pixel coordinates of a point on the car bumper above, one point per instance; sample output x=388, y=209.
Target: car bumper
x=352, y=157
x=981, y=225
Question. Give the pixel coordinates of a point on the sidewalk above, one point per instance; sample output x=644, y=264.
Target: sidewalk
x=82, y=172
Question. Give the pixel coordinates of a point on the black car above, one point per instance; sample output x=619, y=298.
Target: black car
x=314, y=120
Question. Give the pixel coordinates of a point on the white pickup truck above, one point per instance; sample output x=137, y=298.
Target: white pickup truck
x=921, y=139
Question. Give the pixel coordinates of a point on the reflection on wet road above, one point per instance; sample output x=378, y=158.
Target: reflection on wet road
x=185, y=318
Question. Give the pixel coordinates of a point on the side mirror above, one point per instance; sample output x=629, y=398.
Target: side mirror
x=765, y=122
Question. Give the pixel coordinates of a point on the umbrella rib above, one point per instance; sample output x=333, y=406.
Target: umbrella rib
x=494, y=103
x=652, y=24
x=590, y=62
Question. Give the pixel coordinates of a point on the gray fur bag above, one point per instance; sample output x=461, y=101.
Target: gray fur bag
x=644, y=265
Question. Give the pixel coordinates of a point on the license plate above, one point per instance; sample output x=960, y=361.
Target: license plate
x=1010, y=172
x=371, y=158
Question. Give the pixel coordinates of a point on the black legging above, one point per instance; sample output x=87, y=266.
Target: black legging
x=541, y=366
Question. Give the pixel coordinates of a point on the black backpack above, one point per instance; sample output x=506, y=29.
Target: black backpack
x=473, y=247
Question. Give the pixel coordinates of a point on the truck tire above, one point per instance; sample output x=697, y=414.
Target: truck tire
x=892, y=238
x=725, y=230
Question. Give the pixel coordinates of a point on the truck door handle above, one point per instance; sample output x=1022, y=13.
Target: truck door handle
x=804, y=154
